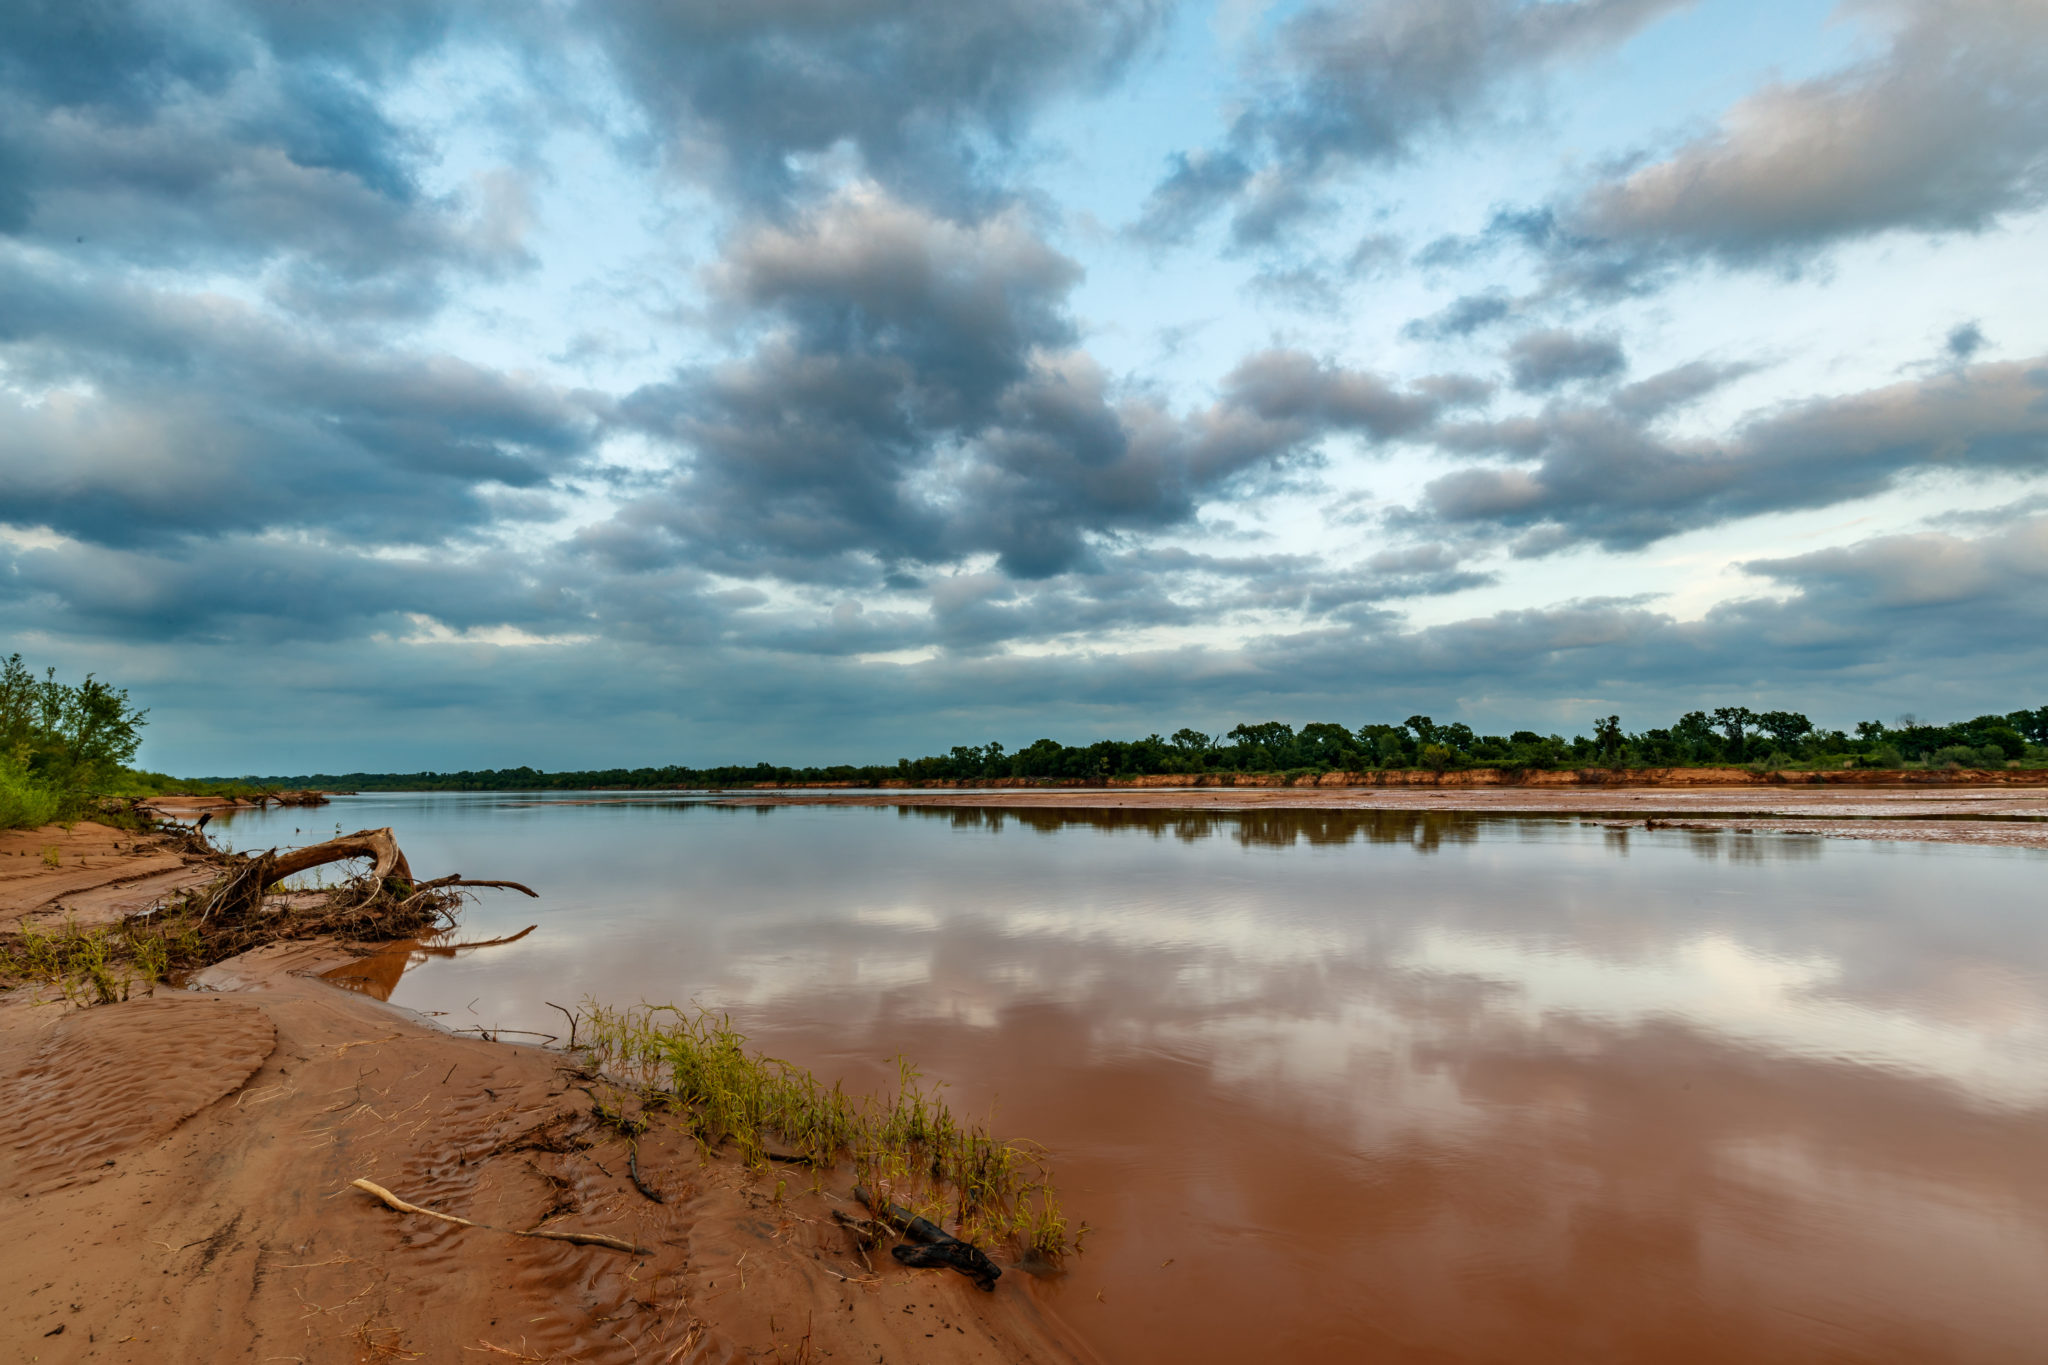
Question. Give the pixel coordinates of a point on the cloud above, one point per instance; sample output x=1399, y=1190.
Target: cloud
x=1849, y=633
x=1603, y=475
x=1346, y=87
x=1868, y=626
x=138, y=415
x=137, y=134
x=243, y=589
x=1964, y=341
x=1945, y=131
x=1928, y=570
x=924, y=91
x=1539, y=362
x=1461, y=317
x=915, y=397
x=1672, y=389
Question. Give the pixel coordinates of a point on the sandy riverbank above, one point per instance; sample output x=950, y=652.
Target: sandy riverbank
x=177, y=1187
x=2013, y=816
x=175, y=806
x=91, y=873
x=1464, y=778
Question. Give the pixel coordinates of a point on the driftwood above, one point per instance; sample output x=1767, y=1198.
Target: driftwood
x=242, y=893
x=633, y=1170
x=459, y=880
x=935, y=1246
x=585, y=1239
x=364, y=843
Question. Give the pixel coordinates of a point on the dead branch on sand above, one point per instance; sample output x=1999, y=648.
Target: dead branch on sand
x=587, y=1239
x=247, y=907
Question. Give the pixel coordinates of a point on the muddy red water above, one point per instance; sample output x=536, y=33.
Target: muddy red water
x=1368, y=1085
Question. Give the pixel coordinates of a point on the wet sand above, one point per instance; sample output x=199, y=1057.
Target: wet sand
x=100, y=875
x=2009, y=816
x=177, y=1187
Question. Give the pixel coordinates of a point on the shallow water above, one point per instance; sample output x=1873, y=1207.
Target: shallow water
x=1364, y=1086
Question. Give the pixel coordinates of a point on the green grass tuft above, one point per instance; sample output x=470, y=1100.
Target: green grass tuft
x=908, y=1148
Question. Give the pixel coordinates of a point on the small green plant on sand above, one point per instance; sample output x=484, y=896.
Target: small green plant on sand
x=908, y=1149
x=86, y=964
x=105, y=964
x=51, y=856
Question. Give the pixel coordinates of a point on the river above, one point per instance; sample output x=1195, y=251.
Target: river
x=1363, y=1086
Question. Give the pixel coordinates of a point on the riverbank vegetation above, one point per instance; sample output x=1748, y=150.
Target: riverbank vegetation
x=65, y=748
x=909, y=1150
x=1724, y=736
x=61, y=744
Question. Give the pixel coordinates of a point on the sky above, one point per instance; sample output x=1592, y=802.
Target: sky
x=396, y=386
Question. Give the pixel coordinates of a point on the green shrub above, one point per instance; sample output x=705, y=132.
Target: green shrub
x=24, y=802
x=60, y=743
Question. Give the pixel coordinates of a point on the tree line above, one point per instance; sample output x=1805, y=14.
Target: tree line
x=1723, y=736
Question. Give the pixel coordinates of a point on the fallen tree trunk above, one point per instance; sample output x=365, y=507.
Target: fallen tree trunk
x=242, y=893
x=376, y=844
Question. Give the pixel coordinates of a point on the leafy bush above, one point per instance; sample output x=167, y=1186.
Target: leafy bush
x=24, y=802
x=60, y=743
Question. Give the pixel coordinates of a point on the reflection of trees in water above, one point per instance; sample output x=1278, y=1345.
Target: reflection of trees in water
x=1419, y=829
x=1742, y=846
x=1422, y=830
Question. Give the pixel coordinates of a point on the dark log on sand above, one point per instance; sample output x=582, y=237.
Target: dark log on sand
x=935, y=1246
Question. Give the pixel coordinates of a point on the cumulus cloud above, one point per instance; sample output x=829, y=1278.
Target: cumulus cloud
x=1462, y=316
x=1669, y=390
x=251, y=394
x=239, y=588
x=1924, y=570
x=921, y=89
x=1945, y=131
x=210, y=137
x=1964, y=341
x=1604, y=474
x=1345, y=87
x=1541, y=361
x=917, y=397
x=138, y=414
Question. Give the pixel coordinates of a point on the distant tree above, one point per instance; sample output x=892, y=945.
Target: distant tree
x=1607, y=738
x=1735, y=722
x=1657, y=747
x=1264, y=747
x=1388, y=745
x=1995, y=732
x=1270, y=734
x=2032, y=725
x=1787, y=727
x=1327, y=745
